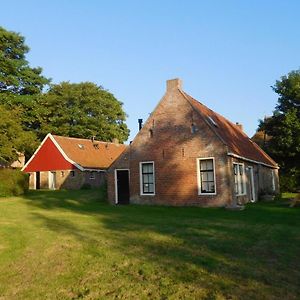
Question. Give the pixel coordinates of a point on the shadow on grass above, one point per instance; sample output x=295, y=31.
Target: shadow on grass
x=230, y=252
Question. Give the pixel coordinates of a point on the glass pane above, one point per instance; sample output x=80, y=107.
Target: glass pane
x=211, y=187
x=241, y=169
x=203, y=165
x=147, y=168
x=209, y=164
x=150, y=178
x=210, y=176
x=204, y=187
x=151, y=188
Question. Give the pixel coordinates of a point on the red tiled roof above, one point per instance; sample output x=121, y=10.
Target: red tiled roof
x=88, y=154
x=236, y=140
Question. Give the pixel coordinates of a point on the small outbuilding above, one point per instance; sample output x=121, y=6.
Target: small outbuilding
x=70, y=163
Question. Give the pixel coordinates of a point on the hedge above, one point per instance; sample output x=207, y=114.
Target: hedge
x=13, y=182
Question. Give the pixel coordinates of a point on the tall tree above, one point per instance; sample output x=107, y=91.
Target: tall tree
x=82, y=110
x=13, y=139
x=16, y=76
x=283, y=128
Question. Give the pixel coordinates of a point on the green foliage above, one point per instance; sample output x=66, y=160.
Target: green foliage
x=13, y=138
x=13, y=182
x=283, y=130
x=16, y=76
x=81, y=110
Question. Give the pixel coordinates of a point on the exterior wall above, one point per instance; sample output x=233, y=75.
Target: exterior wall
x=48, y=158
x=64, y=180
x=168, y=140
x=263, y=181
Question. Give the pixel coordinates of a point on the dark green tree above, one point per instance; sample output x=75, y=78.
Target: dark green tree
x=81, y=110
x=13, y=138
x=16, y=76
x=283, y=128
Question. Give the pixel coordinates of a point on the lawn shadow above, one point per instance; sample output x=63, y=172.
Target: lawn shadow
x=233, y=252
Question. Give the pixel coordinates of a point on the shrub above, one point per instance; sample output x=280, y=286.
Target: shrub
x=13, y=182
x=86, y=186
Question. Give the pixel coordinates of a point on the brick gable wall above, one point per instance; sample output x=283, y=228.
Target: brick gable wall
x=168, y=140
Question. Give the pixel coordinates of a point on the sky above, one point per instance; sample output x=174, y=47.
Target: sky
x=228, y=53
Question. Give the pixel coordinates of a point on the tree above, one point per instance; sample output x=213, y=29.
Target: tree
x=13, y=139
x=81, y=110
x=16, y=76
x=283, y=128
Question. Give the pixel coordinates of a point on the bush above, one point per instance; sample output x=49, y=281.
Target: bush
x=290, y=182
x=86, y=186
x=13, y=182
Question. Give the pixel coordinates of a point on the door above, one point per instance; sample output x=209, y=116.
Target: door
x=122, y=186
x=251, y=185
x=52, y=180
x=37, y=180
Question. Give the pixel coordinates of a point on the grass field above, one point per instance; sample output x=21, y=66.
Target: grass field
x=72, y=245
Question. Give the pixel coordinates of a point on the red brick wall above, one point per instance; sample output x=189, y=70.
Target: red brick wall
x=174, y=149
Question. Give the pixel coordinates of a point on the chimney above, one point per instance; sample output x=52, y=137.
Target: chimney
x=115, y=141
x=173, y=84
x=93, y=139
x=240, y=126
x=140, y=123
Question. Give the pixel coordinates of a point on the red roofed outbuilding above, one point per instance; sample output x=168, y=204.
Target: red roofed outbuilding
x=187, y=154
x=70, y=163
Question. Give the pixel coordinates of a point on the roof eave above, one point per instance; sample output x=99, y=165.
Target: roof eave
x=252, y=160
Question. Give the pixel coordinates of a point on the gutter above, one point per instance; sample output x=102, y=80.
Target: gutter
x=251, y=160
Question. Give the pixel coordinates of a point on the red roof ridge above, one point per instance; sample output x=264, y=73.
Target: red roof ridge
x=97, y=141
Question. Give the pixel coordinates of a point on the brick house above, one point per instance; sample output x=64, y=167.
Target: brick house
x=187, y=154
x=69, y=163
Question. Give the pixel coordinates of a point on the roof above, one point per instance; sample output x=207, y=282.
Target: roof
x=238, y=143
x=89, y=154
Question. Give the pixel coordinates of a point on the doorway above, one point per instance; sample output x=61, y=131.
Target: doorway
x=52, y=180
x=251, y=184
x=37, y=180
x=122, y=186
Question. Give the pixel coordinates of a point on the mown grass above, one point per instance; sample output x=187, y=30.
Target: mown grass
x=72, y=245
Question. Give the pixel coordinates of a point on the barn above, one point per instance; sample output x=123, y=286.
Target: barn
x=70, y=163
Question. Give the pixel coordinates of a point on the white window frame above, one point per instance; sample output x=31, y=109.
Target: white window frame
x=239, y=179
x=273, y=180
x=141, y=178
x=199, y=176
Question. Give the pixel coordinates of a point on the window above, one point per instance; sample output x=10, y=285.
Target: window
x=213, y=121
x=92, y=175
x=206, y=176
x=239, y=179
x=147, y=178
x=72, y=173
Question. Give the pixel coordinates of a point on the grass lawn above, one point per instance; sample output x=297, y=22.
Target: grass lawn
x=72, y=245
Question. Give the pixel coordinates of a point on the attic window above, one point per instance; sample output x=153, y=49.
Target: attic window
x=96, y=146
x=213, y=121
x=81, y=146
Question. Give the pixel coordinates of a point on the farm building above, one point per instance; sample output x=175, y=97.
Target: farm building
x=70, y=163
x=187, y=154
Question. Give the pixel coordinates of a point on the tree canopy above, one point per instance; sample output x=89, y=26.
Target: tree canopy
x=283, y=128
x=81, y=110
x=68, y=109
x=16, y=76
x=13, y=138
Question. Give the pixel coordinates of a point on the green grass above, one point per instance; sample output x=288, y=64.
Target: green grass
x=72, y=245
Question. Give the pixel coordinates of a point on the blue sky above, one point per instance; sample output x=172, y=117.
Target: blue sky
x=228, y=53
